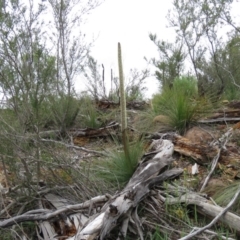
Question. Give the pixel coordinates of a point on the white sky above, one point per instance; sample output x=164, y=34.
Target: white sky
x=128, y=22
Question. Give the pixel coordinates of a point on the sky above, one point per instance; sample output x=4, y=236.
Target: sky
x=128, y=22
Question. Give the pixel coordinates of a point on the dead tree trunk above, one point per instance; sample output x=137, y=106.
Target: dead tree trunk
x=148, y=174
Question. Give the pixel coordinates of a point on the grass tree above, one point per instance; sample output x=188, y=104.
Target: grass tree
x=180, y=105
x=120, y=165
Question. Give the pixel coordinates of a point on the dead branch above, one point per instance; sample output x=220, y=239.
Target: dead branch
x=199, y=152
x=94, y=133
x=218, y=120
x=215, y=234
x=202, y=152
x=44, y=214
x=214, y=164
x=75, y=147
x=224, y=215
x=121, y=206
x=203, y=205
x=222, y=144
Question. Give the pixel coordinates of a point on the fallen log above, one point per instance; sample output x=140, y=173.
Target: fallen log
x=201, y=152
x=106, y=104
x=137, y=105
x=91, y=132
x=46, y=214
x=226, y=113
x=120, y=207
x=220, y=120
x=205, y=207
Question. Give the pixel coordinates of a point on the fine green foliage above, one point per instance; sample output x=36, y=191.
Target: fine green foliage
x=64, y=110
x=171, y=60
x=180, y=104
x=118, y=168
x=186, y=85
x=231, y=93
x=144, y=121
x=88, y=114
x=135, y=85
x=157, y=235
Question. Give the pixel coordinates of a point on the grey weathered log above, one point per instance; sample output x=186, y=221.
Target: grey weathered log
x=148, y=174
x=207, y=209
x=220, y=120
x=43, y=214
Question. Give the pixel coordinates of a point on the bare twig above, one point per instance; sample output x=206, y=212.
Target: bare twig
x=31, y=216
x=75, y=147
x=214, y=164
x=215, y=234
x=221, y=119
x=222, y=143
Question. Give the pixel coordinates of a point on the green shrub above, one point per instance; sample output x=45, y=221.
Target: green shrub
x=180, y=104
x=89, y=115
x=231, y=92
x=64, y=110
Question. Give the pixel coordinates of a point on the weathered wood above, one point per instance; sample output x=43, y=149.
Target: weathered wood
x=232, y=111
x=201, y=153
x=145, y=177
x=206, y=208
x=137, y=105
x=46, y=214
x=230, y=114
x=91, y=132
x=204, y=153
x=121, y=207
x=45, y=228
x=106, y=104
x=220, y=120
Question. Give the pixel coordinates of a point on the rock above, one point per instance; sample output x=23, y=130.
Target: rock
x=214, y=185
x=161, y=119
x=198, y=135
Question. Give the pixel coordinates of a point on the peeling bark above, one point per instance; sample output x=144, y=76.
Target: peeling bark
x=121, y=205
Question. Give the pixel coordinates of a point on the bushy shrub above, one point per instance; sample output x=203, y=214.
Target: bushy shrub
x=88, y=114
x=231, y=92
x=64, y=110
